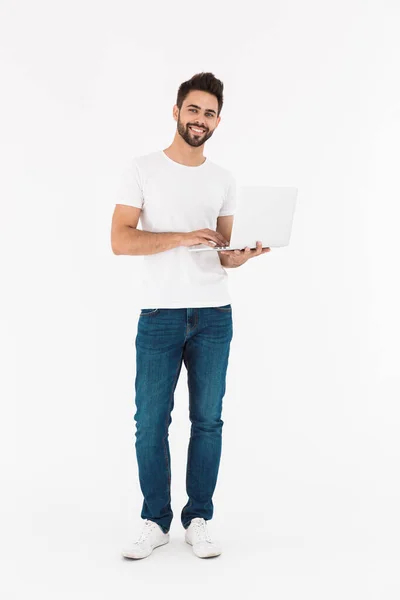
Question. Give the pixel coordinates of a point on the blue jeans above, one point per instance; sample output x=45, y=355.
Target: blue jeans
x=200, y=337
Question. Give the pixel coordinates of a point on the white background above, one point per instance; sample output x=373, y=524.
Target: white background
x=307, y=498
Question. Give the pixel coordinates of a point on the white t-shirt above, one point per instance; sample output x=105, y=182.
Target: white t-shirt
x=178, y=198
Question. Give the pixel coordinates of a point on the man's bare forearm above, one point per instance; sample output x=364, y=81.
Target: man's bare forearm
x=136, y=242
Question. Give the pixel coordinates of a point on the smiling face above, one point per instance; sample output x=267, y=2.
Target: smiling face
x=199, y=111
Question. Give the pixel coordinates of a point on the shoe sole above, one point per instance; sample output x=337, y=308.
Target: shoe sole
x=207, y=555
x=126, y=555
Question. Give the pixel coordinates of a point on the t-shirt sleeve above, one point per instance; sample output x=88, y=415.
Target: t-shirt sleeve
x=130, y=188
x=230, y=202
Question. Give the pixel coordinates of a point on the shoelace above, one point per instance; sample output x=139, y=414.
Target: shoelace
x=146, y=531
x=200, y=531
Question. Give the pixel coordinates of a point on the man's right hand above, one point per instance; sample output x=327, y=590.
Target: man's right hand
x=203, y=236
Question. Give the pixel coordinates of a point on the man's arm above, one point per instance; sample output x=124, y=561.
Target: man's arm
x=133, y=241
x=224, y=227
x=127, y=239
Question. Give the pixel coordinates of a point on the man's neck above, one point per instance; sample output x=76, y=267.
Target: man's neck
x=184, y=154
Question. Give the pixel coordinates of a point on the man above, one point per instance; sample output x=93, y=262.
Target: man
x=180, y=196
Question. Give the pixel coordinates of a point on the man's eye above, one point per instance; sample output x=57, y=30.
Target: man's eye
x=209, y=114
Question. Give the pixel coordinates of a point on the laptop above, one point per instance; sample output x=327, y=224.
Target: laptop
x=263, y=213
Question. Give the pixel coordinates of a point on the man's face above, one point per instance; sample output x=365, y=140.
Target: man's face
x=199, y=110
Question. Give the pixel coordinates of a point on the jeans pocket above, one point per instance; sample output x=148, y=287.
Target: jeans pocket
x=226, y=307
x=148, y=311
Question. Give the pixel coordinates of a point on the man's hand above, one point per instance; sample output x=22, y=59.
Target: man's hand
x=236, y=258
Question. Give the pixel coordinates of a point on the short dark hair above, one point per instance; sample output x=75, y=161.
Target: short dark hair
x=205, y=82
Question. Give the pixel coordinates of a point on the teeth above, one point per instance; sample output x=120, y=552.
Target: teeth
x=197, y=130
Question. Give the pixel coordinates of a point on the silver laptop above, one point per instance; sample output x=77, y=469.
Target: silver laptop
x=263, y=213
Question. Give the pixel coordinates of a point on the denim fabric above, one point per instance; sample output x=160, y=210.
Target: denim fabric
x=200, y=337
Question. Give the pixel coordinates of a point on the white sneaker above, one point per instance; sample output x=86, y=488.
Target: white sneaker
x=197, y=536
x=151, y=536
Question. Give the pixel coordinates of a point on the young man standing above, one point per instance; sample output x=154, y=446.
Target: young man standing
x=182, y=199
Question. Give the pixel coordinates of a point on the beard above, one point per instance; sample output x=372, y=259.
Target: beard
x=190, y=137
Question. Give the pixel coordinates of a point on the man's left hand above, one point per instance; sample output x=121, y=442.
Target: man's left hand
x=236, y=258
